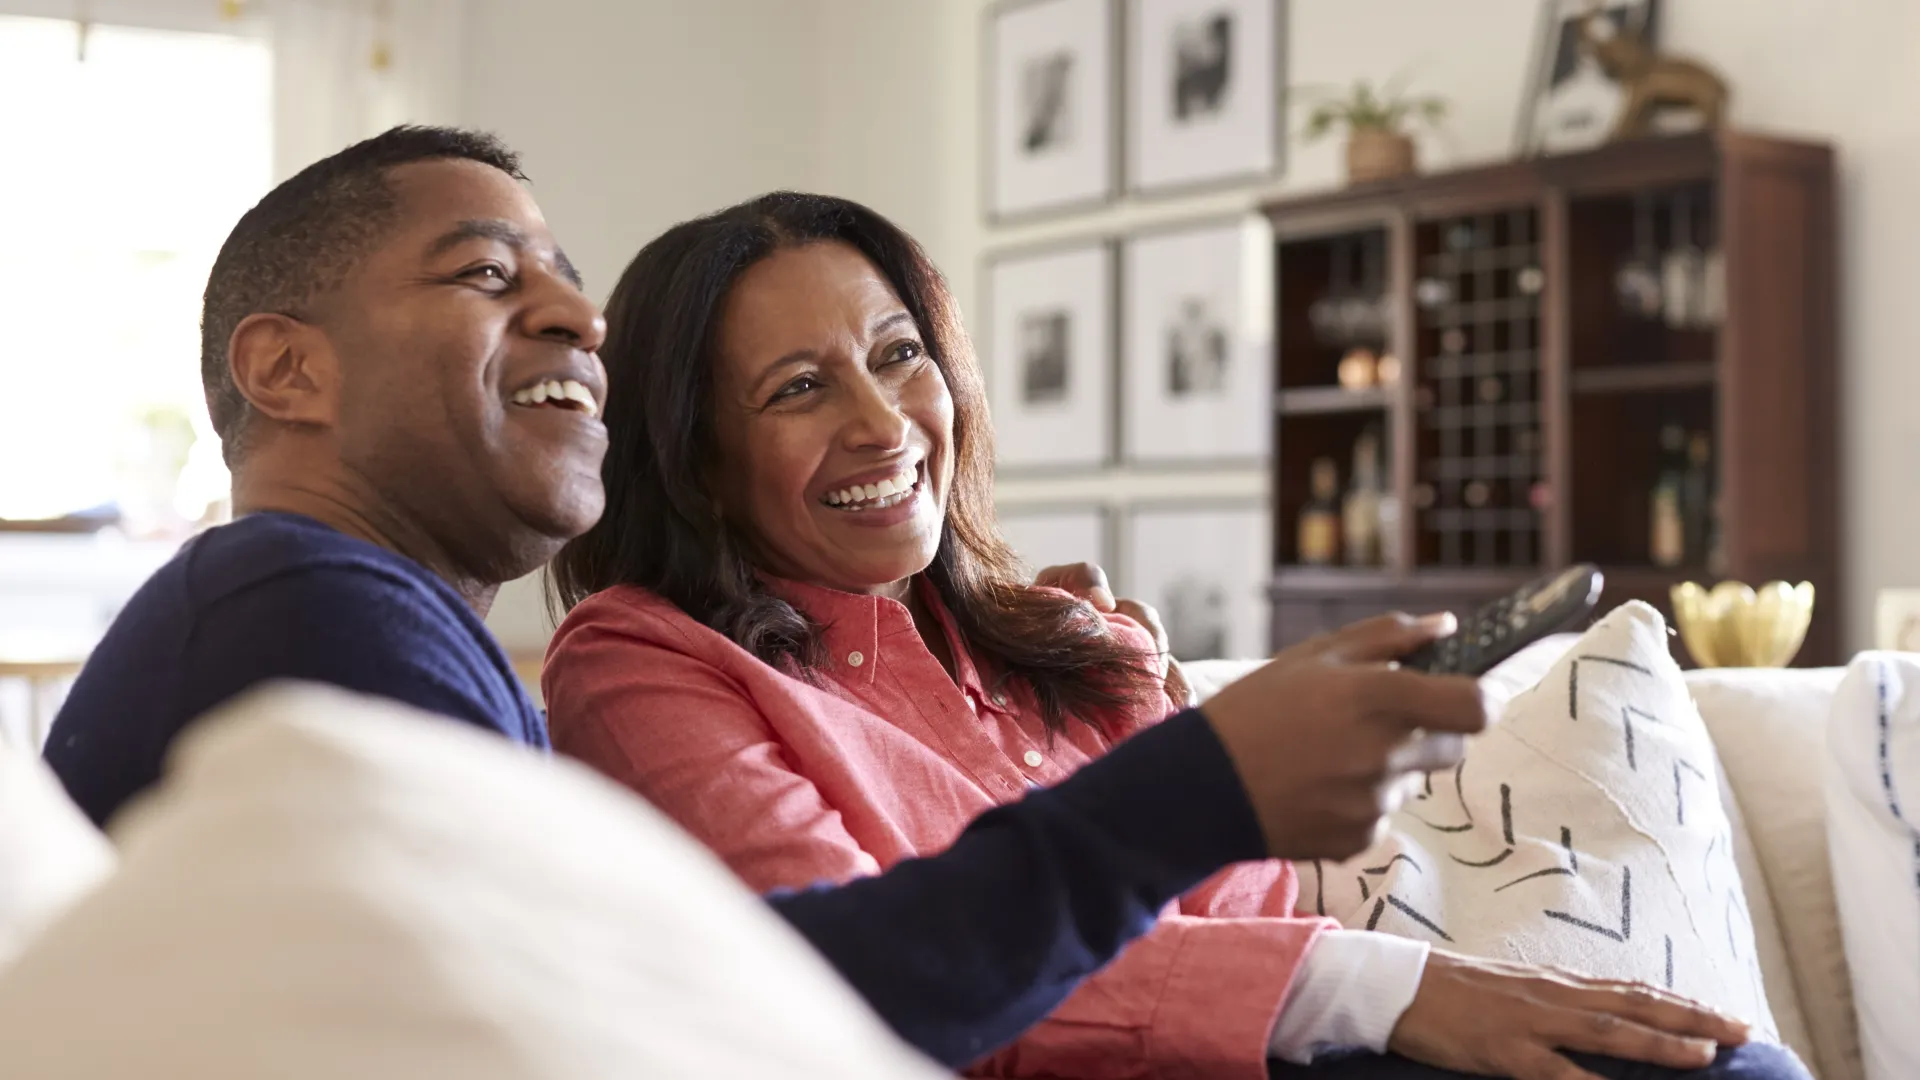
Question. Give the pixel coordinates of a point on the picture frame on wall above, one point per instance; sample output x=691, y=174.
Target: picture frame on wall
x=1205, y=92
x=1046, y=536
x=1204, y=567
x=1570, y=103
x=1052, y=126
x=1197, y=342
x=1050, y=356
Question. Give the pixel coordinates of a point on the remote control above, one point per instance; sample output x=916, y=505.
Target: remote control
x=1511, y=623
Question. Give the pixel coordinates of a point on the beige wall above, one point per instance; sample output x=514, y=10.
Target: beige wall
x=636, y=115
x=632, y=116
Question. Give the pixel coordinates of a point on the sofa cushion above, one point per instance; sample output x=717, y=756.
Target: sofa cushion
x=1873, y=832
x=1584, y=831
x=327, y=886
x=50, y=854
x=1768, y=726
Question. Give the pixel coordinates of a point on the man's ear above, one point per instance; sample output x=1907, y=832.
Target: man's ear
x=286, y=369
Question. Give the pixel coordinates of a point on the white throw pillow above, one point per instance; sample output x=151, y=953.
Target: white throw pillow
x=1206, y=678
x=326, y=886
x=1584, y=831
x=1873, y=838
x=50, y=854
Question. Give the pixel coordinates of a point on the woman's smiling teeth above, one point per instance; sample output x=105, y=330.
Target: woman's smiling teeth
x=562, y=393
x=891, y=491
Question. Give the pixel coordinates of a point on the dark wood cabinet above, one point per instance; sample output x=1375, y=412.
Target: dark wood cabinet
x=1568, y=334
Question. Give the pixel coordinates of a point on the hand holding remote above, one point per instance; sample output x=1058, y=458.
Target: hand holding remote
x=1323, y=734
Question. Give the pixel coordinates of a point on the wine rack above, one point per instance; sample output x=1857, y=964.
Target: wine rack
x=1477, y=396
x=1528, y=342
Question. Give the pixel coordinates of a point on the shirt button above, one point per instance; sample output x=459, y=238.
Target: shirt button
x=1033, y=759
x=856, y=658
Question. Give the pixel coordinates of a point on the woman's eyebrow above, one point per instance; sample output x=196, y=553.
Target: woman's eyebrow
x=889, y=323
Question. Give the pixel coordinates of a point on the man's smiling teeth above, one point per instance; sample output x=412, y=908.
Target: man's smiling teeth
x=558, y=391
x=877, y=496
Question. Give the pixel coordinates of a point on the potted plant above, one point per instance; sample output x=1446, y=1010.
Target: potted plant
x=1378, y=146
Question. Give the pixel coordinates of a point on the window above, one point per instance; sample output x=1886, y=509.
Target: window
x=130, y=155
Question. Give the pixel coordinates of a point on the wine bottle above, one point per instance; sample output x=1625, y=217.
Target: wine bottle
x=1360, y=513
x=1319, y=526
x=1696, y=496
x=1667, y=538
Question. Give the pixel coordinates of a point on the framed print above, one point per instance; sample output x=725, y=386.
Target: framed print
x=1570, y=103
x=1051, y=127
x=1205, y=569
x=1046, y=536
x=1049, y=365
x=1205, y=80
x=1896, y=620
x=1197, y=343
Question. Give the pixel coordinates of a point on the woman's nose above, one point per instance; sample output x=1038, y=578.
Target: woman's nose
x=875, y=420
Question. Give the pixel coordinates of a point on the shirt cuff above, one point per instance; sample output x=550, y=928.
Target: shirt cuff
x=1348, y=994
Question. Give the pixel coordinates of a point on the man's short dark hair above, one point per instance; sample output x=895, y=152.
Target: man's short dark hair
x=305, y=236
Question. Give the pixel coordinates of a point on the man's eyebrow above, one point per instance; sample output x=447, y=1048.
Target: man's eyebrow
x=506, y=232
x=478, y=229
x=566, y=268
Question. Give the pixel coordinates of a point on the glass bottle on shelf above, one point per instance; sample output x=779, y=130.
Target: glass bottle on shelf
x=1667, y=534
x=1319, y=526
x=1696, y=498
x=1360, y=512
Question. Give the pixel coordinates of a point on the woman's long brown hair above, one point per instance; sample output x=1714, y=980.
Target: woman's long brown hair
x=660, y=530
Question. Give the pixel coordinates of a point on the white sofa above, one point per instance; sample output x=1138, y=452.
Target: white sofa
x=1769, y=727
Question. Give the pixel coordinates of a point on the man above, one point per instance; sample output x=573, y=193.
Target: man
x=400, y=364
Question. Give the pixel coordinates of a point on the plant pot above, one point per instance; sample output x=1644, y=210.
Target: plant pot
x=1373, y=154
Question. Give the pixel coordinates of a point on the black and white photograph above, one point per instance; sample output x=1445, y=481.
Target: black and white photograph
x=1202, y=65
x=1046, y=342
x=1196, y=336
x=1196, y=350
x=1204, y=83
x=1205, y=568
x=1048, y=352
x=1046, y=117
x=1572, y=103
x=1046, y=536
x=1052, y=118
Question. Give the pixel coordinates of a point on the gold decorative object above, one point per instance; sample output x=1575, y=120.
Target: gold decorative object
x=1736, y=625
x=1650, y=80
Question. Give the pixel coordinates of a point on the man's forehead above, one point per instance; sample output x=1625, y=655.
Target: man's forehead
x=435, y=196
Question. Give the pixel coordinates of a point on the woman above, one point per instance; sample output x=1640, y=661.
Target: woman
x=796, y=631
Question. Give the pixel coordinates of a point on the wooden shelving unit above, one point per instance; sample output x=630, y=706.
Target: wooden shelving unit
x=1543, y=348
x=1320, y=400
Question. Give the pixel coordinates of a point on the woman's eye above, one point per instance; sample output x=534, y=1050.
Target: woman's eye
x=907, y=350
x=798, y=386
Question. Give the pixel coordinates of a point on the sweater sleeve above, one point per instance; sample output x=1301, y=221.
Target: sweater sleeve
x=963, y=950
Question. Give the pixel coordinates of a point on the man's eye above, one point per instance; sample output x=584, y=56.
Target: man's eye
x=488, y=270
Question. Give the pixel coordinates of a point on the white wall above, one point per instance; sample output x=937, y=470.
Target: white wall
x=636, y=115
x=633, y=116
x=1847, y=71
